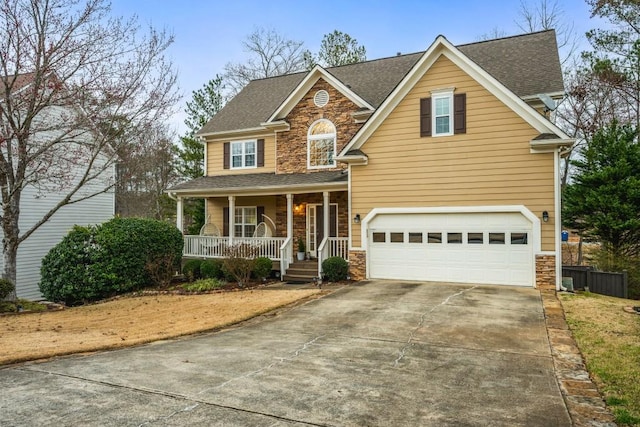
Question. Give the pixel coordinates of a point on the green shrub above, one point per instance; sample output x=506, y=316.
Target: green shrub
x=262, y=268
x=211, y=269
x=191, y=269
x=6, y=288
x=335, y=269
x=204, y=285
x=96, y=262
x=68, y=273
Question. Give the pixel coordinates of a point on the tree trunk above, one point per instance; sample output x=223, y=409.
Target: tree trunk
x=11, y=241
x=10, y=256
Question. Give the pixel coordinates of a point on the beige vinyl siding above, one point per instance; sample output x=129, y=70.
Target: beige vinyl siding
x=216, y=205
x=215, y=153
x=489, y=165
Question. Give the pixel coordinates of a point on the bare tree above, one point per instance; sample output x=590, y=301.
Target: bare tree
x=146, y=168
x=75, y=84
x=547, y=15
x=270, y=55
x=494, y=33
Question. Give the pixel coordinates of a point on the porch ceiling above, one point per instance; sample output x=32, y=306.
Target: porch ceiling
x=262, y=184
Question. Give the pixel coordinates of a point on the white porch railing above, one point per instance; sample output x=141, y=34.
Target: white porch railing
x=214, y=247
x=286, y=252
x=330, y=247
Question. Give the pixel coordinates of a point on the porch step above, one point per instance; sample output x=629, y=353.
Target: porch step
x=301, y=272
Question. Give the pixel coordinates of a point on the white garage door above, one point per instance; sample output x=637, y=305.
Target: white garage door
x=492, y=248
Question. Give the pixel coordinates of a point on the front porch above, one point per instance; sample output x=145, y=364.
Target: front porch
x=273, y=214
x=281, y=250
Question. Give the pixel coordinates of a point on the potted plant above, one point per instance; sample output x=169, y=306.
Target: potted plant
x=301, y=249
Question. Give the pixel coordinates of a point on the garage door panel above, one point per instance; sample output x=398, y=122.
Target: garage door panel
x=473, y=260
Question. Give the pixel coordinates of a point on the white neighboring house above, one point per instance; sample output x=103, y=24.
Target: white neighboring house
x=36, y=202
x=30, y=253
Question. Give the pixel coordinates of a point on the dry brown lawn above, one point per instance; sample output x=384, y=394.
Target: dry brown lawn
x=130, y=321
x=609, y=339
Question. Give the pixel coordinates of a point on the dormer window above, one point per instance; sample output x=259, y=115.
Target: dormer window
x=321, y=145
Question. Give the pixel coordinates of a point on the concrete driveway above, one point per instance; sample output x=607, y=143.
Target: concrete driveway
x=379, y=353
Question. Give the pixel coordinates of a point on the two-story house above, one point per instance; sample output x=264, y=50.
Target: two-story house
x=438, y=166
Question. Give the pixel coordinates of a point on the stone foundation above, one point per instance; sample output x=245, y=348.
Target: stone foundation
x=546, y=272
x=358, y=265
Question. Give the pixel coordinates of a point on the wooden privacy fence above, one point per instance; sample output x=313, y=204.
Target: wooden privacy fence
x=599, y=282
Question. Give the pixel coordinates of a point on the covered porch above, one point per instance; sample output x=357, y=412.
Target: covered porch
x=270, y=216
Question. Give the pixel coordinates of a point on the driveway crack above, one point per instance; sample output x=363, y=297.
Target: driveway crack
x=279, y=361
x=409, y=343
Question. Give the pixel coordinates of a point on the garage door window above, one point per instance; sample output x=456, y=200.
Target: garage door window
x=379, y=237
x=415, y=237
x=519, y=238
x=434, y=238
x=496, y=238
x=475, y=238
x=454, y=237
x=396, y=237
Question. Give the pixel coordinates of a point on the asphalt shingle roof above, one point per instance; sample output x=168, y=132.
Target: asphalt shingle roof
x=527, y=64
x=261, y=181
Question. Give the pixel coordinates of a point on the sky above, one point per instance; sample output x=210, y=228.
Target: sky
x=209, y=34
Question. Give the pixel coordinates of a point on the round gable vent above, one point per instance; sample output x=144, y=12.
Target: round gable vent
x=321, y=98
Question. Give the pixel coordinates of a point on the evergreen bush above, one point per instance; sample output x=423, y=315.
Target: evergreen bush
x=335, y=269
x=96, y=262
x=192, y=269
x=262, y=268
x=6, y=287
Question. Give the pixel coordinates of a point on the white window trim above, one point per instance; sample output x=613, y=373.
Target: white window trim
x=318, y=137
x=243, y=223
x=243, y=143
x=441, y=94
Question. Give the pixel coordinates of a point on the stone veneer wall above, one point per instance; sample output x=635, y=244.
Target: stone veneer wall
x=291, y=146
x=546, y=272
x=300, y=217
x=358, y=265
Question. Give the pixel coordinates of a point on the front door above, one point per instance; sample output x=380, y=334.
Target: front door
x=315, y=225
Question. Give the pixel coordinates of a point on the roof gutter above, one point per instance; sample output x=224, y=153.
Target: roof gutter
x=257, y=191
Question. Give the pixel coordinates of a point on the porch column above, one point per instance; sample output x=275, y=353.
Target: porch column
x=179, y=213
x=232, y=218
x=290, y=216
x=325, y=207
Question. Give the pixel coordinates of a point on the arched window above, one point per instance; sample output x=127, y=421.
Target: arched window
x=321, y=144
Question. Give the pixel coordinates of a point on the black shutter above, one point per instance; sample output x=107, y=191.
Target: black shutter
x=425, y=117
x=259, y=213
x=460, y=113
x=260, y=154
x=225, y=222
x=226, y=155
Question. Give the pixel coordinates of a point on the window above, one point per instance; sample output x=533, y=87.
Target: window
x=442, y=114
x=415, y=237
x=243, y=154
x=379, y=237
x=474, y=238
x=245, y=221
x=434, y=237
x=496, y=238
x=454, y=237
x=321, y=144
x=518, y=238
x=396, y=237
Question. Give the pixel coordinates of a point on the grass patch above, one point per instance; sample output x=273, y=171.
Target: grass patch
x=204, y=285
x=609, y=339
x=21, y=305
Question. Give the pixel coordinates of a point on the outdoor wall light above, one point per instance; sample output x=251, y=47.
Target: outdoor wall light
x=545, y=216
x=356, y=219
